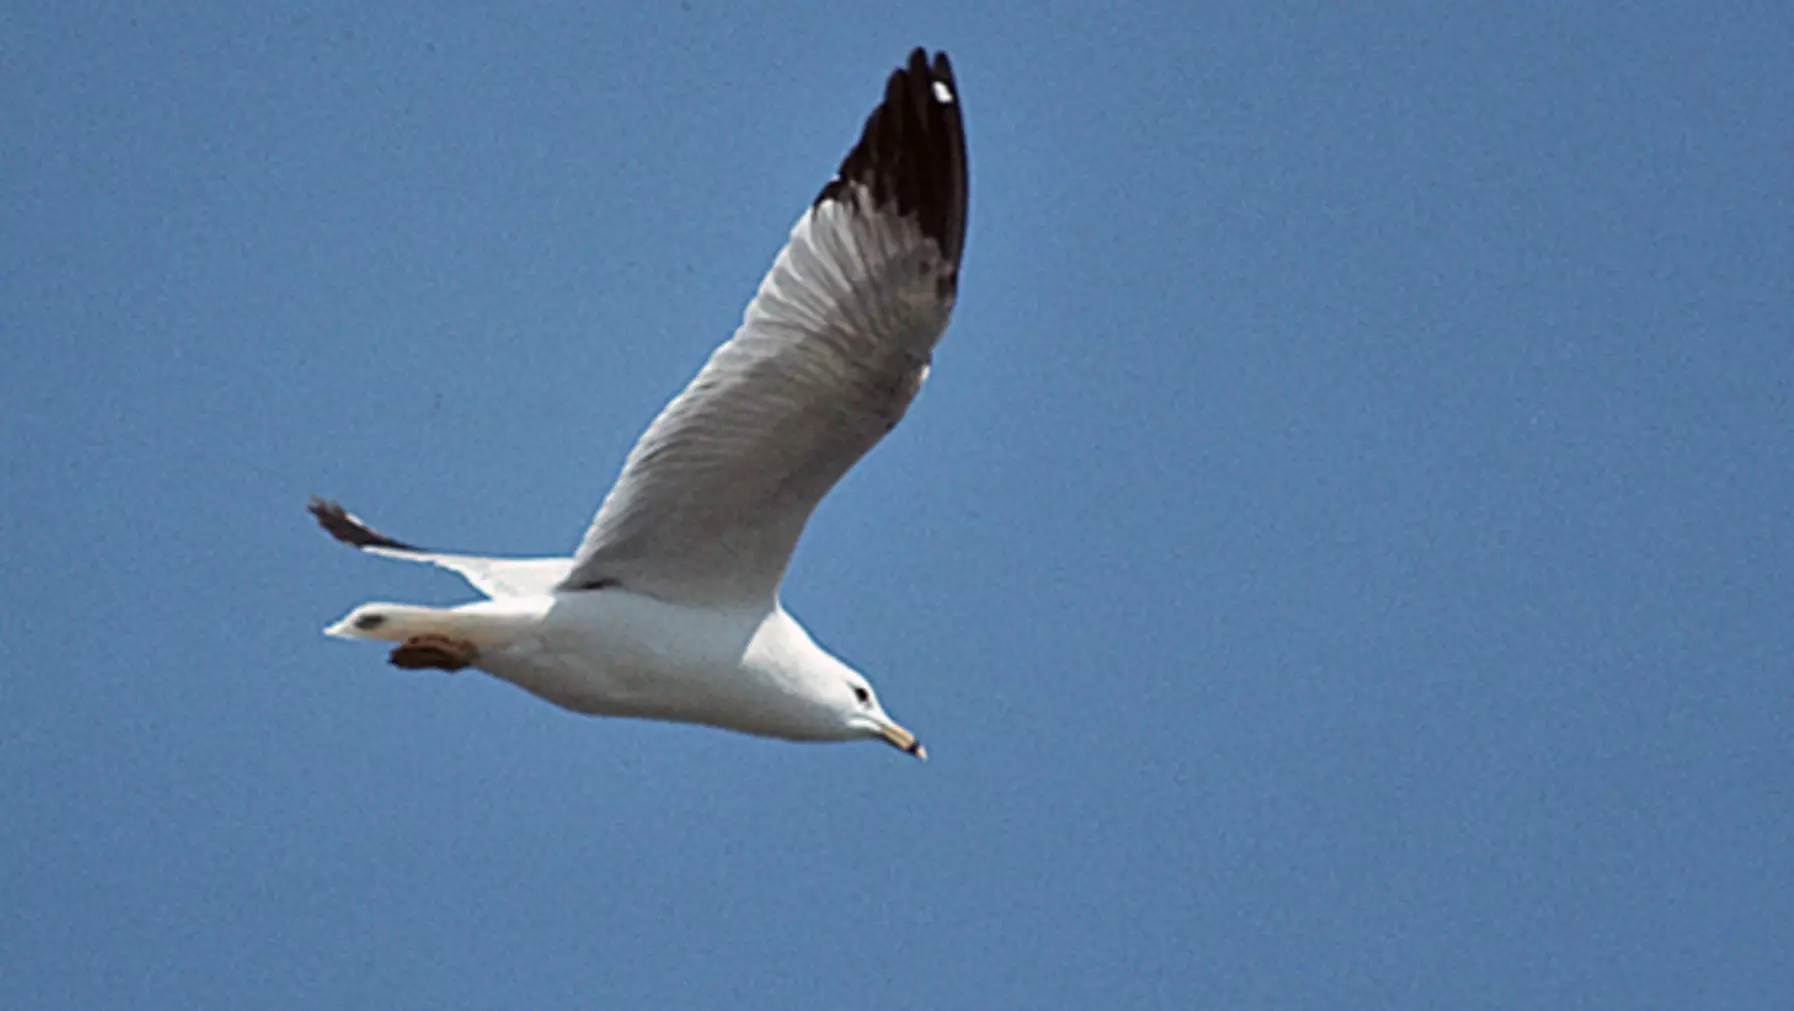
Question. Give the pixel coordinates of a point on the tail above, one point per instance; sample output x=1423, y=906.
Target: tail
x=481, y=625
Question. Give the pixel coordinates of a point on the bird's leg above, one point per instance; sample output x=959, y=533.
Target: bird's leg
x=438, y=652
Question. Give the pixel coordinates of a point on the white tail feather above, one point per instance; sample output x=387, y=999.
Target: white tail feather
x=485, y=623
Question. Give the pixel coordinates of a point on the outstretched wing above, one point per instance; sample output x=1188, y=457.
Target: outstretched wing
x=494, y=577
x=829, y=355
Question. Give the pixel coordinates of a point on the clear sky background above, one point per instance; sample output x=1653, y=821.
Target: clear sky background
x=1342, y=557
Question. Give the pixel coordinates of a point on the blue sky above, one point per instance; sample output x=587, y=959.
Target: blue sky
x=1341, y=558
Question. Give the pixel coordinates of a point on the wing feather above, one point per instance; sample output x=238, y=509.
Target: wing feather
x=494, y=577
x=828, y=357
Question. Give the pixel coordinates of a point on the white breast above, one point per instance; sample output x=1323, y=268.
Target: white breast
x=614, y=653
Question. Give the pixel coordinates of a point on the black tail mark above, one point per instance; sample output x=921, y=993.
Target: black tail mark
x=345, y=526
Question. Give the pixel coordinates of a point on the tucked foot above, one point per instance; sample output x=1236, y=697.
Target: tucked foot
x=434, y=652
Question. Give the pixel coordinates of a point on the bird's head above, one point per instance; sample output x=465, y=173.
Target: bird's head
x=857, y=704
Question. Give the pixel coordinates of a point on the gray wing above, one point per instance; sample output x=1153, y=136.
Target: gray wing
x=829, y=355
x=494, y=577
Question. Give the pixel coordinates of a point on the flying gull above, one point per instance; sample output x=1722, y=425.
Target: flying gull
x=670, y=608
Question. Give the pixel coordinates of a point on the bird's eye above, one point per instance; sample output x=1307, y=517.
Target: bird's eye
x=860, y=692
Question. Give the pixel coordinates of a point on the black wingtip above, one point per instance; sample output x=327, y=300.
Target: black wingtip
x=912, y=152
x=345, y=526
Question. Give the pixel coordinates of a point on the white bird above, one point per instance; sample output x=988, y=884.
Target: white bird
x=670, y=608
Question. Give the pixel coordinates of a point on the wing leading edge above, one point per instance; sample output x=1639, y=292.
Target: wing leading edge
x=830, y=353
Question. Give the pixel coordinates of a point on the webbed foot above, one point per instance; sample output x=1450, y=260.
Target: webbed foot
x=434, y=652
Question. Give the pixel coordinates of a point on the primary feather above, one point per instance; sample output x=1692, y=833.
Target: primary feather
x=829, y=355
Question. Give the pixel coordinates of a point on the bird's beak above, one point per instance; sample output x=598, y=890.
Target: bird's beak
x=901, y=739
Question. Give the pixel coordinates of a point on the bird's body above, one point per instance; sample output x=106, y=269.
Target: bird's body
x=670, y=609
x=616, y=653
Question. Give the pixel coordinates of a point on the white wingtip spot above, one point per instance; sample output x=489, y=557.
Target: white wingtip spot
x=942, y=93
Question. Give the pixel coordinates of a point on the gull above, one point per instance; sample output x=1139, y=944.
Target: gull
x=670, y=608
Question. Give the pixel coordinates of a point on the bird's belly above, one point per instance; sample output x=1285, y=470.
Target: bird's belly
x=610, y=653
